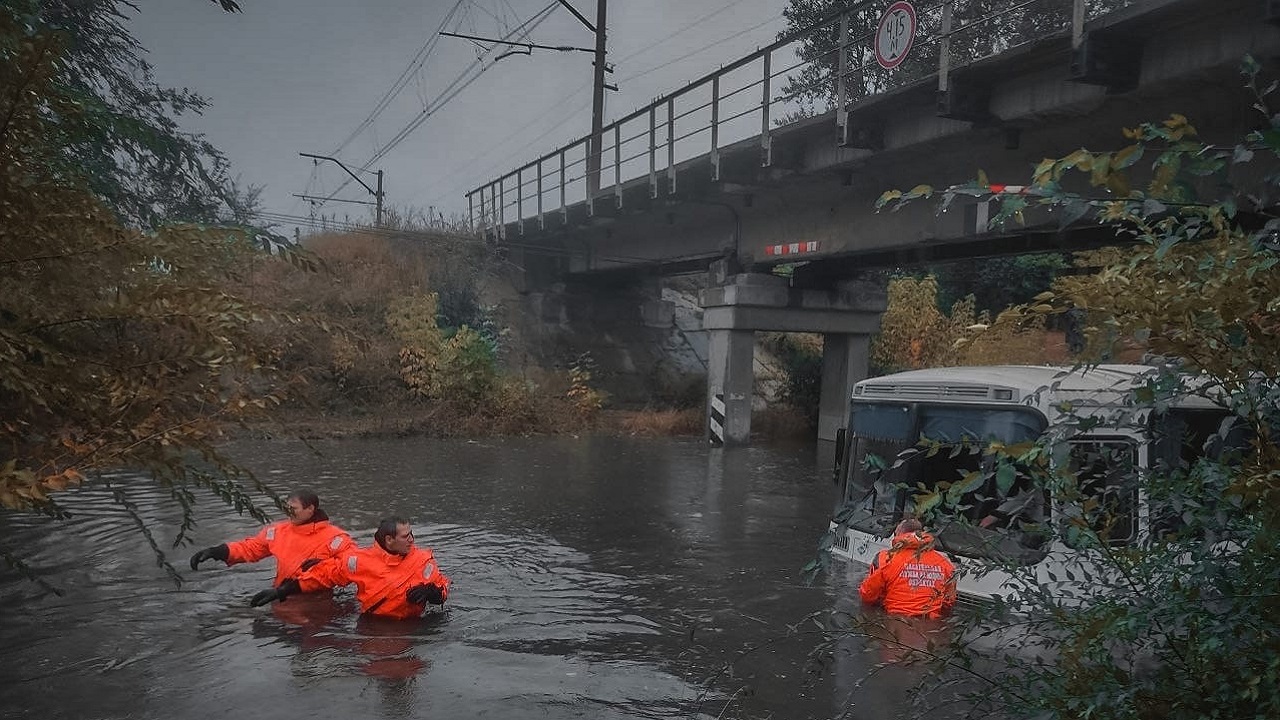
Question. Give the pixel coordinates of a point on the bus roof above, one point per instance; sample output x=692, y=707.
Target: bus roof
x=1005, y=383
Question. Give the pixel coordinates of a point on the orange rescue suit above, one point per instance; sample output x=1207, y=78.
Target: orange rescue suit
x=291, y=545
x=382, y=579
x=911, y=578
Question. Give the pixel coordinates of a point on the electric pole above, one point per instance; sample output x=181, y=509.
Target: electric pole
x=377, y=194
x=596, y=146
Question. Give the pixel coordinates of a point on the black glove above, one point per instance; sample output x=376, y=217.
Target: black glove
x=217, y=552
x=286, y=588
x=423, y=594
x=310, y=563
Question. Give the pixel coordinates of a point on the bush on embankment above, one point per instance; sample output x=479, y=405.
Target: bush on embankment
x=408, y=339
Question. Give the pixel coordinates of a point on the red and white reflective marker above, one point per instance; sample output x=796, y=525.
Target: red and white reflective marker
x=792, y=248
x=894, y=34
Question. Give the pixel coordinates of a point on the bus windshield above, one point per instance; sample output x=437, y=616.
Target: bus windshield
x=880, y=487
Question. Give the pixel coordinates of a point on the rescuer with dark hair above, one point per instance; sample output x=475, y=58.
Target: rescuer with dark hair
x=306, y=536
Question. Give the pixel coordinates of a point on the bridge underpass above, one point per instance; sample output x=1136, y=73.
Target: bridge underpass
x=804, y=192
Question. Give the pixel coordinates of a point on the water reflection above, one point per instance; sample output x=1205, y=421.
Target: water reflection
x=593, y=577
x=391, y=653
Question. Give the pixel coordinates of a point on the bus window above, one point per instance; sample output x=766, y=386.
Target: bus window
x=879, y=432
x=1182, y=438
x=883, y=488
x=1106, y=478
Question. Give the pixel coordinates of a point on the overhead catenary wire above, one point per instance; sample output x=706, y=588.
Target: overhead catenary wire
x=464, y=79
x=406, y=75
x=704, y=48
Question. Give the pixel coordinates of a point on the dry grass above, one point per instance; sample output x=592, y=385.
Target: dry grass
x=782, y=422
x=657, y=423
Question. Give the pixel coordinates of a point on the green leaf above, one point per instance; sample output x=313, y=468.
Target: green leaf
x=1166, y=245
x=1005, y=477
x=1127, y=156
x=886, y=197
x=1072, y=211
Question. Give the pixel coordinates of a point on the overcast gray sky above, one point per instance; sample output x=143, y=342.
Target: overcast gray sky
x=290, y=77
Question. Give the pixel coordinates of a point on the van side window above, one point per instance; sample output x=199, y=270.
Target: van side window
x=1106, y=491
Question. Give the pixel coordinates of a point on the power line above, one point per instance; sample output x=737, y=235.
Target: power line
x=681, y=31
x=459, y=83
x=702, y=49
x=418, y=60
x=449, y=92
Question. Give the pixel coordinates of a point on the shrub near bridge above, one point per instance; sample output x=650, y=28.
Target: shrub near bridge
x=1184, y=622
x=915, y=334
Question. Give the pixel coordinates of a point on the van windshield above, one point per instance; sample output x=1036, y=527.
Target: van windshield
x=997, y=523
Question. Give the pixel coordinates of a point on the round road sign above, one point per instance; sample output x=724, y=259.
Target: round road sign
x=896, y=31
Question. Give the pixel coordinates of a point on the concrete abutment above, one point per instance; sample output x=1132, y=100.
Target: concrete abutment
x=846, y=316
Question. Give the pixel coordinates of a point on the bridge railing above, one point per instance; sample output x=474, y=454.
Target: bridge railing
x=830, y=64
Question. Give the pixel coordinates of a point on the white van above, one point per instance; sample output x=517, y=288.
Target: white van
x=1091, y=414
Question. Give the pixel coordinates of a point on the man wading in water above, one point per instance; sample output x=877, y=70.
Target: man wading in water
x=911, y=578
x=306, y=535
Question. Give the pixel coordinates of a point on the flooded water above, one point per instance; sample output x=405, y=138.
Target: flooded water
x=593, y=577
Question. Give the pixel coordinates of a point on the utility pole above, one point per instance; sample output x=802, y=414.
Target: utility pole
x=596, y=146
x=377, y=194
x=378, y=213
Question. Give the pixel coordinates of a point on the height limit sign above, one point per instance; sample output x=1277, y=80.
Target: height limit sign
x=894, y=34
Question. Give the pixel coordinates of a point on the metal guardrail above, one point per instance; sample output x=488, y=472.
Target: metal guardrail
x=738, y=100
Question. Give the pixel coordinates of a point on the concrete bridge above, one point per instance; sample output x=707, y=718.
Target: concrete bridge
x=704, y=179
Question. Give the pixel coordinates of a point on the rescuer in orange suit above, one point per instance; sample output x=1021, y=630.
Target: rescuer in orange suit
x=393, y=577
x=911, y=578
x=306, y=535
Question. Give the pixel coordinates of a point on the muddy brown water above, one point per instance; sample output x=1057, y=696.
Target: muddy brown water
x=593, y=578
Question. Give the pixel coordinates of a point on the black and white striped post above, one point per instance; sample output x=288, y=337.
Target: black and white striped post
x=715, y=419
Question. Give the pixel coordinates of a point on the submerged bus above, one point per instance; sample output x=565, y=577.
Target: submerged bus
x=1000, y=525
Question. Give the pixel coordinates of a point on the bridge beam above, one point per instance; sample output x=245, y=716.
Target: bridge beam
x=846, y=316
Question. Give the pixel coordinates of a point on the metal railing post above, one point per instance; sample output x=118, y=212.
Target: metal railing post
x=520, y=201
x=766, y=139
x=502, y=209
x=842, y=90
x=653, y=152
x=715, y=128
x=944, y=49
x=617, y=164
x=564, y=208
x=671, y=146
x=471, y=212
x=542, y=223
x=1077, y=23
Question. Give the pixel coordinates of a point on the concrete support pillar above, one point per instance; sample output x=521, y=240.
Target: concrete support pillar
x=846, y=315
x=729, y=377
x=845, y=361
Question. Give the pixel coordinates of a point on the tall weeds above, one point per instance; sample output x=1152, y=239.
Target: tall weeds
x=405, y=333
